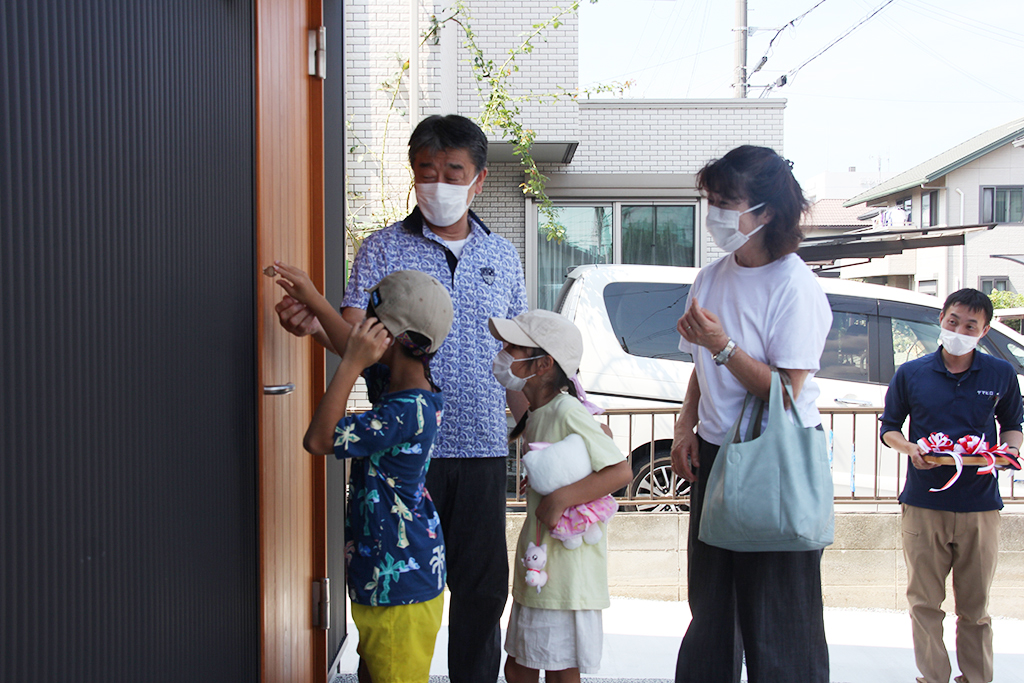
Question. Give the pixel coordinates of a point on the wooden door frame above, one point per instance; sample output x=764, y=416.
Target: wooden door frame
x=289, y=198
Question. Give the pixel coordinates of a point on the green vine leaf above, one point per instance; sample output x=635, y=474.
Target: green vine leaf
x=500, y=114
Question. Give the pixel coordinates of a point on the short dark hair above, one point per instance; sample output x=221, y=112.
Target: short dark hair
x=438, y=133
x=758, y=175
x=972, y=299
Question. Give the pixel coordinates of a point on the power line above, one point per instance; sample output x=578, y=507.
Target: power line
x=700, y=42
x=791, y=22
x=970, y=24
x=785, y=78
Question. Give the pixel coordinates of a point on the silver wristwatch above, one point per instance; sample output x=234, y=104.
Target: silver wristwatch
x=723, y=356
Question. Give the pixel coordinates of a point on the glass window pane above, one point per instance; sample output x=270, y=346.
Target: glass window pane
x=1017, y=351
x=658, y=235
x=1015, y=201
x=588, y=239
x=644, y=315
x=1001, y=206
x=926, y=209
x=912, y=340
x=846, y=348
x=987, y=205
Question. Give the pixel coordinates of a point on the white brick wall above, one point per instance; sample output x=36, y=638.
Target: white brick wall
x=675, y=136
x=502, y=205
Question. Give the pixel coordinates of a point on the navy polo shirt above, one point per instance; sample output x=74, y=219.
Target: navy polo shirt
x=936, y=400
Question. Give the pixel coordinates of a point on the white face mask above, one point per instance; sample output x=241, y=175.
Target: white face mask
x=502, y=368
x=443, y=204
x=724, y=226
x=957, y=344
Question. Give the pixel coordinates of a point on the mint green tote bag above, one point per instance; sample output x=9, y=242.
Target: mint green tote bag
x=773, y=491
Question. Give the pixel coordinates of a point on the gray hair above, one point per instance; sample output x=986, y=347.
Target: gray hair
x=438, y=133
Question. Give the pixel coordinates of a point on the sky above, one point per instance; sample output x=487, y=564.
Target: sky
x=916, y=79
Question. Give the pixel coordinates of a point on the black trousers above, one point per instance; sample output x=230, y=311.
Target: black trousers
x=765, y=605
x=469, y=494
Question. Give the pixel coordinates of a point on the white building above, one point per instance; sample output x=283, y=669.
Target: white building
x=980, y=181
x=622, y=172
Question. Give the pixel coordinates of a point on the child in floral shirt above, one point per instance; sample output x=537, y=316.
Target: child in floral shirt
x=393, y=543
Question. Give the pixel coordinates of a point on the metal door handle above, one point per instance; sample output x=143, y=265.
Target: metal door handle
x=279, y=389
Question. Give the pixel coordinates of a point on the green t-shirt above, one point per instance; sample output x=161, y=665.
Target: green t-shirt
x=577, y=579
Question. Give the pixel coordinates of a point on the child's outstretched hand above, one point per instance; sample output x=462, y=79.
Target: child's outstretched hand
x=296, y=282
x=367, y=342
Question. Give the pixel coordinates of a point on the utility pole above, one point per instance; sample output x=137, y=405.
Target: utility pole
x=739, y=85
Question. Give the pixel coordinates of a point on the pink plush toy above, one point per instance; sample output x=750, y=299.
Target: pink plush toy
x=552, y=466
x=536, y=558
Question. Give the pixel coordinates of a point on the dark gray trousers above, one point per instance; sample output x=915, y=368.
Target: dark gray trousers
x=469, y=494
x=766, y=606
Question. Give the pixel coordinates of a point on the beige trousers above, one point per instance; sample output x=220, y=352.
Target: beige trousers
x=934, y=543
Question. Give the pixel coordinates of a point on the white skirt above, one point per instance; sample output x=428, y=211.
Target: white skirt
x=554, y=639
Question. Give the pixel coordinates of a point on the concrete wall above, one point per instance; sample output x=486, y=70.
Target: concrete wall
x=863, y=569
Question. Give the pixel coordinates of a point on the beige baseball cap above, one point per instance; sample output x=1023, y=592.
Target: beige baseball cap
x=411, y=301
x=545, y=330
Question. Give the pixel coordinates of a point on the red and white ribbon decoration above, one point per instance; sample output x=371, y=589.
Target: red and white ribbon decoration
x=970, y=445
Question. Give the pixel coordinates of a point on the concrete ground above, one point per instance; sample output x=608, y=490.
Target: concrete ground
x=642, y=637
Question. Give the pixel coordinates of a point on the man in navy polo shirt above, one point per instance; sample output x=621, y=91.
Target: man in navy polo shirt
x=484, y=277
x=958, y=392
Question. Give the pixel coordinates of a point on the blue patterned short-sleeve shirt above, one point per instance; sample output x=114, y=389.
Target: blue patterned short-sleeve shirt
x=394, y=548
x=487, y=281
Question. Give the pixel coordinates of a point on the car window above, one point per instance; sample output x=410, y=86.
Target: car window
x=912, y=339
x=1016, y=350
x=644, y=315
x=1008, y=348
x=846, y=348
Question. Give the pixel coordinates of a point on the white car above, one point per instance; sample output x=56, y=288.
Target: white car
x=628, y=314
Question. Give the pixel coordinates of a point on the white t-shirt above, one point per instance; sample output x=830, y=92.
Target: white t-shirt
x=778, y=314
x=455, y=246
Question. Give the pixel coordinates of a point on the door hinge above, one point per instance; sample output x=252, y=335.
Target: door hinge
x=318, y=52
x=322, y=604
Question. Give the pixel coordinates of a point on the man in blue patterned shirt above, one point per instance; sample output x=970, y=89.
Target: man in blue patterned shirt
x=483, y=275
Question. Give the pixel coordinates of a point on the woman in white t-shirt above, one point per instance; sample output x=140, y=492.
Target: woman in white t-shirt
x=756, y=308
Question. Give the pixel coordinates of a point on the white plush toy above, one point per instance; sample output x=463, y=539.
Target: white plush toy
x=552, y=466
x=536, y=558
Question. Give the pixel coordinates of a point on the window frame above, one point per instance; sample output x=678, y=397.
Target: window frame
x=616, y=200
x=993, y=279
x=929, y=209
x=987, y=206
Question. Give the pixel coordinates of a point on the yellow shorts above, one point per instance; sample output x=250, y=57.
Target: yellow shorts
x=396, y=642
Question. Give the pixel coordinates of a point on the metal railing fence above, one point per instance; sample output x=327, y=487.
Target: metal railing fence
x=864, y=471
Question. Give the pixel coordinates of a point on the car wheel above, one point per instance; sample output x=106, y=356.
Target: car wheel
x=659, y=484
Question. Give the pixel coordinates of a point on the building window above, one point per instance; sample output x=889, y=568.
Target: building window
x=657, y=235
x=587, y=239
x=994, y=284
x=650, y=233
x=929, y=209
x=1002, y=204
x=928, y=287
x=907, y=207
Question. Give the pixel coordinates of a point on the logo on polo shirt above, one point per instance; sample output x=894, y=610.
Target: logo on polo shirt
x=487, y=273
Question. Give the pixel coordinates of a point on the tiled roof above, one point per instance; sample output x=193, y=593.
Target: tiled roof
x=830, y=213
x=948, y=161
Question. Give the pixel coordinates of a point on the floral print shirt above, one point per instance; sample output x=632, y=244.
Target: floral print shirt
x=487, y=281
x=394, y=548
